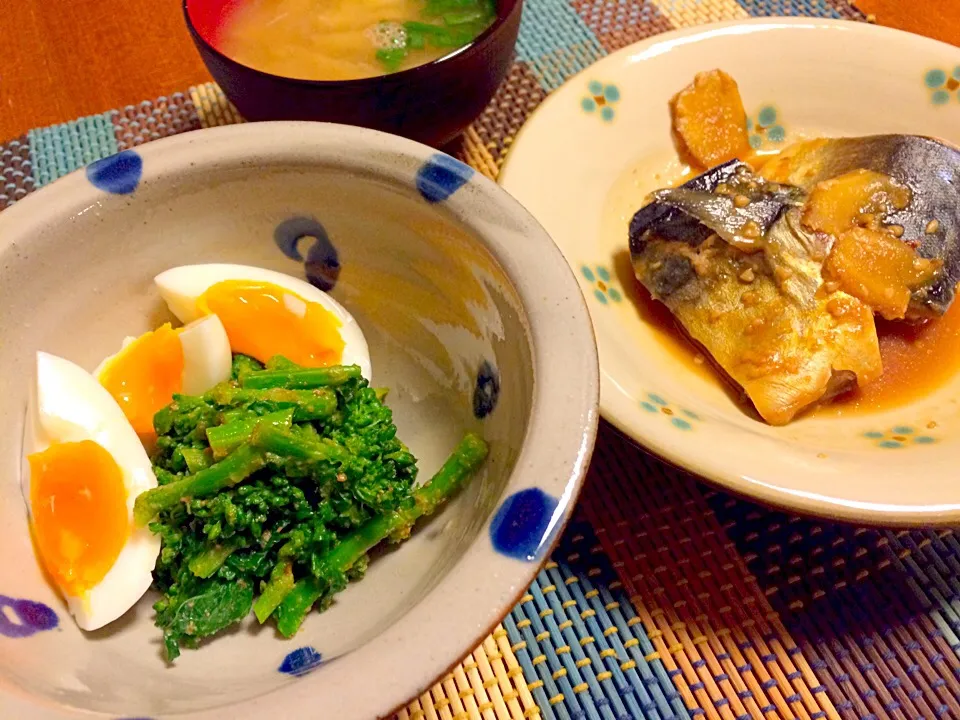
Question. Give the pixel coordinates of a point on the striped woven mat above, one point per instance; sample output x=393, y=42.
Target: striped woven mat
x=665, y=599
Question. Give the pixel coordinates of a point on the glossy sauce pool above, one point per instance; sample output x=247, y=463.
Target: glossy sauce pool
x=916, y=359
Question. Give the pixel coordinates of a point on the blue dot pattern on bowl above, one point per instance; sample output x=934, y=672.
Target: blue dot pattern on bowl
x=31, y=617
x=301, y=661
x=322, y=263
x=519, y=529
x=486, y=392
x=118, y=174
x=441, y=176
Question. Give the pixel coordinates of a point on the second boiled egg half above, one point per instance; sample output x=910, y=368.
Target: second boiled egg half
x=267, y=313
x=149, y=370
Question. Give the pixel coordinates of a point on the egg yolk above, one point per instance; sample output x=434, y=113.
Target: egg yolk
x=144, y=376
x=79, y=508
x=263, y=320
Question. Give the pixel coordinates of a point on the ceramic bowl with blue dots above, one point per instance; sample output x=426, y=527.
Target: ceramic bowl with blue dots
x=433, y=260
x=585, y=162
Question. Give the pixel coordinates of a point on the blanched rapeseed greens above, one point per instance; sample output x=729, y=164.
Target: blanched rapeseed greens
x=273, y=487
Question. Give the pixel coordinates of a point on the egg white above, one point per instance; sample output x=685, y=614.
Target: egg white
x=67, y=404
x=182, y=286
x=206, y=355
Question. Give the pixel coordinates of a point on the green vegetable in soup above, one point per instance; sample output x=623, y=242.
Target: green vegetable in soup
x=273, y=487
x=447, y=24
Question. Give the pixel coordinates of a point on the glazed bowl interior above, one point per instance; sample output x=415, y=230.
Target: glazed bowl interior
x=449, y=332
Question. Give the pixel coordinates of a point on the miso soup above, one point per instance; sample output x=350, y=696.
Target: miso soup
x=349, y=39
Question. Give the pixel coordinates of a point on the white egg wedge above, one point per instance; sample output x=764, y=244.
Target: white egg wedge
x=83, y=467
x=267, y=313
x=148, y=370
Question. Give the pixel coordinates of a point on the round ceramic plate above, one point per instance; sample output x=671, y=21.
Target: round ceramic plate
x=583, y=165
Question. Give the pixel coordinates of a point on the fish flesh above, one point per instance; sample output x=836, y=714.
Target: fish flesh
x=728, y=255
x=928, y=167
x=777, y=273
x=778, y=293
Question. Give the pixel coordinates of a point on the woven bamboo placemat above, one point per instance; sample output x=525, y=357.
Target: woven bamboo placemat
x=665, y=599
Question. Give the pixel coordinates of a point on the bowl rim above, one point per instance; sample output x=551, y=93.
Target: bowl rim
x=465, y=605
x=368, y=83
x=701, y=464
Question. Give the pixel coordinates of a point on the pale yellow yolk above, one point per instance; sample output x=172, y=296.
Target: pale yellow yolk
x=263, y=320
x=79, y=507
x=144, y=376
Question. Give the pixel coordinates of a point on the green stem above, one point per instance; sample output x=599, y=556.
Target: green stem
x=461, y=464
x=274, y=592
x=224, y=439
x=243, y=365
x=297, y=604
x=236, y=467
x=286, y=444
x=305, y=378
x=195, y=458
x=279, y=362
x=234, y=414
x=316, y=404
x=464, y=460
x=463, y=17
x=209, y=561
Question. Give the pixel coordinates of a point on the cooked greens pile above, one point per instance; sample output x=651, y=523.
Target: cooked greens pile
x=272, y=488
x=449, y=24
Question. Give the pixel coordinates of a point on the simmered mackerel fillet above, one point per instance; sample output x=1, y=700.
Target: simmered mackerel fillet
x=777, y=273
x=727, y=255
x=911, y=185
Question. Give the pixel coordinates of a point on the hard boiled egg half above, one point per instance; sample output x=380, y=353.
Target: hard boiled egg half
x=83, y=468
x=266, y=313
x=149, y=370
